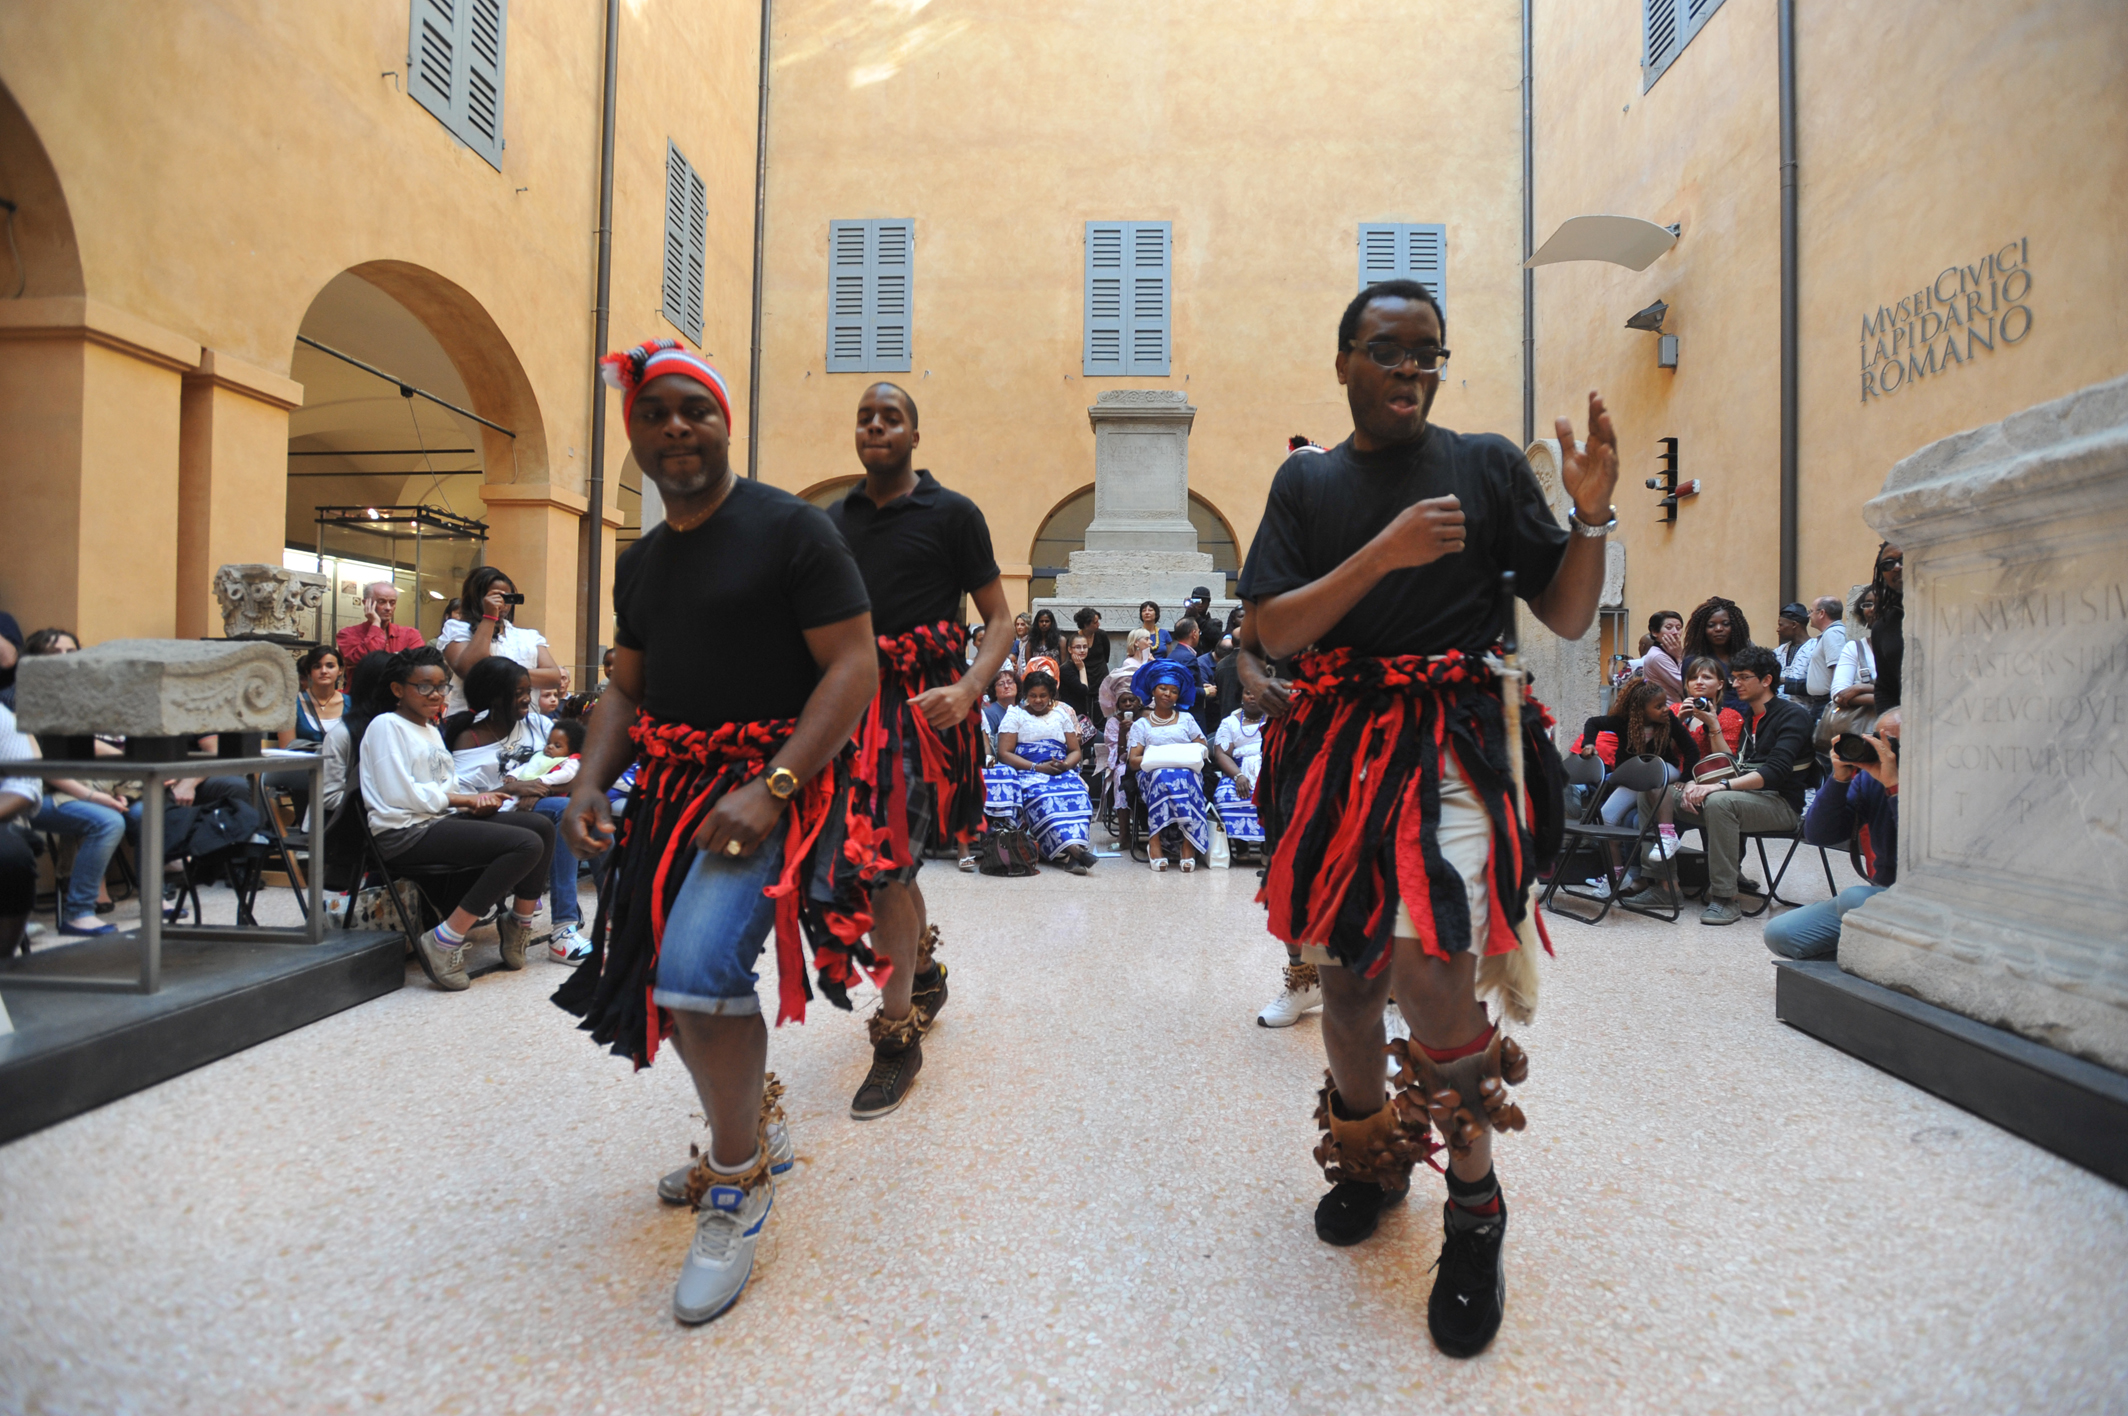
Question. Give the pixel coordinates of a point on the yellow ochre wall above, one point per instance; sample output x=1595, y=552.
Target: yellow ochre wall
x=1002, y=129
x=1928, y=138
x=220, y=161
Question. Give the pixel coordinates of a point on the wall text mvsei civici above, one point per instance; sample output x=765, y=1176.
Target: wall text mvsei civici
x=1948, y=323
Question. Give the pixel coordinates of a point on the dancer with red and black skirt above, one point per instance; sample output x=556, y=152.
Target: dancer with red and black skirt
x=1403, y=855
x=920, y=747
x=746, y=818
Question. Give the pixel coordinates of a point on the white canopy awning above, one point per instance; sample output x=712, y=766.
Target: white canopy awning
x=1621, y=240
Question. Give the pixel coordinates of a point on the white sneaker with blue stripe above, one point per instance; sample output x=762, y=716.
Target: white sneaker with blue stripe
x=721, y=1259
x=782, y=1155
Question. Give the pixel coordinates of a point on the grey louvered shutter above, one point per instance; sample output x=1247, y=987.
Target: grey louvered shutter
x=888, y=296
x=847, y=267
x=1149, y=297
x=1104, y=297
x=1405, y=250
x=1662, y=37
x=1129, y=325
x=455, y=66
x=686, y=242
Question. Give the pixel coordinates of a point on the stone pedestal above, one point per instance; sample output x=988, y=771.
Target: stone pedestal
x=268, y=600
x=158, y=688
x=1567, y=674
x=2012, y=901
x=1140, y=545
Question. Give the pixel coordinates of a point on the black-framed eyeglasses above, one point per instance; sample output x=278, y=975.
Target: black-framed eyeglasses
x=427, y=690
x=1391, y=355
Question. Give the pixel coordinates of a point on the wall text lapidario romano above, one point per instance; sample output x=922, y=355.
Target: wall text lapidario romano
x=1961, y=315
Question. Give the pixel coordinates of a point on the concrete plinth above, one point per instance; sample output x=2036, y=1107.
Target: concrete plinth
x=158, y=688
x=2013, y=868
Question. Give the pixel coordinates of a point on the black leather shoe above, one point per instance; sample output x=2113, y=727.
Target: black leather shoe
x=1351, y=1210
x=1470, y=1294
x=887, y=1085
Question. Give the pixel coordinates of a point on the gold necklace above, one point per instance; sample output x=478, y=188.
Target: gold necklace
x=731, y=479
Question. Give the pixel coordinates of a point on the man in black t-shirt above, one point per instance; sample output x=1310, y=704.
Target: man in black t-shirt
x=741, y=816
x=920, y=548
x=1403, y=850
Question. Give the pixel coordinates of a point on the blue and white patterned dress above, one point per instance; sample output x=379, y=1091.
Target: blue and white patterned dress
x=1057, y=810
x=1174, y=796
x=1242, y=741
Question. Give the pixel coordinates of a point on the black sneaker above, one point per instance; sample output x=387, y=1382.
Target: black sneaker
x=1351, y=1210
x=1471, y=1293
x=928, y=991
x=887, y=1085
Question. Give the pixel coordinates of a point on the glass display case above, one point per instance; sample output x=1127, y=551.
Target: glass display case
x=425, y=551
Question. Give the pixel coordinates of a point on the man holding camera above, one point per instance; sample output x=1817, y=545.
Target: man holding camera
x=1766, y=794
x=1859, y=804
x=380, y=605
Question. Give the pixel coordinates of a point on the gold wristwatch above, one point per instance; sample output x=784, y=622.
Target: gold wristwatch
x=782, y=783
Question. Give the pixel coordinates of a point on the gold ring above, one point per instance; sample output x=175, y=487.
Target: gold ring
x=732, y=848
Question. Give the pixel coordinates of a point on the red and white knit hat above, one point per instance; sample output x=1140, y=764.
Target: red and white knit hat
x=629, y=371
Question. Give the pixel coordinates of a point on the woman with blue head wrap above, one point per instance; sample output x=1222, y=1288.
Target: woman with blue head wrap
x=1174, y=796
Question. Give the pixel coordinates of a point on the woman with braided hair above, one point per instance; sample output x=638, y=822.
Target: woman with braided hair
x=1716, y=630
x=1404, y=851
x=746, y=817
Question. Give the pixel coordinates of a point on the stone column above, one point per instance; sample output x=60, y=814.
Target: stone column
x=90, y=397
x=535, y=536
x=2011, y=905
x=232, y=475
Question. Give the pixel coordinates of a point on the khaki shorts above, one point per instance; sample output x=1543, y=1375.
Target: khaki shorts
x=1466, y=842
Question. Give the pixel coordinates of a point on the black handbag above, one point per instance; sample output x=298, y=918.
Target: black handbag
x=1007, y=851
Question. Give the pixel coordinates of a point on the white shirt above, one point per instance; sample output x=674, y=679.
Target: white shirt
x=333, y=753
x=1146, y=733
x=1026, y=727
x=18, y=746
x=481, y=769
x=1858, y=664
x=1241, y=741
x=407, y=773
x=511, y=641
x=1824, y=660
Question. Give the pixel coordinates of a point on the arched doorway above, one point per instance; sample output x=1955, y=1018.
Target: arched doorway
x=825, y=494
x=1064, y=531
x=413, y=404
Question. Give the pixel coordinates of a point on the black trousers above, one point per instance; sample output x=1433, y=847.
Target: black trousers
x=513, y=848
x=18, y=875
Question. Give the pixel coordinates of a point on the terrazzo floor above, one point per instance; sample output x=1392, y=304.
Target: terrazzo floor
x=1096, y=1199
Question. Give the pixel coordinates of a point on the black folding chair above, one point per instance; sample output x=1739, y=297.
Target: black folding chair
x=353, y=860
x=1614, y=846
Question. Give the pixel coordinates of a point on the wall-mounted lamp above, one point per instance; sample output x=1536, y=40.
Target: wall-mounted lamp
x=1651, y=320
x=1666, y=481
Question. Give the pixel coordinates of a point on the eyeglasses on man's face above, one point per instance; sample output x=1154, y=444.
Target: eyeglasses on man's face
x=1391, y=355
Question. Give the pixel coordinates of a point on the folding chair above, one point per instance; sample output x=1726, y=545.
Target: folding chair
x=352, y=858
x=1634, y=774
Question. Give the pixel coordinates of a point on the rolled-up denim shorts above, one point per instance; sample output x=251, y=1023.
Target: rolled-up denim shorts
x=713, y=935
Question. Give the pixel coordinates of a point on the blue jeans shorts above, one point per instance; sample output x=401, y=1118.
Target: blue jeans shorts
x=714, y=934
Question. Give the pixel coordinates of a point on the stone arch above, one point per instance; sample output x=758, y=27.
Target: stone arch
x=44, y=259
x=826, y=493
x=1062, y=530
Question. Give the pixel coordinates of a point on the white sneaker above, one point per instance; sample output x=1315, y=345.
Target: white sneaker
x=721, y=1259
x=1303, y=991
x=782, y=1155
x=566, y=946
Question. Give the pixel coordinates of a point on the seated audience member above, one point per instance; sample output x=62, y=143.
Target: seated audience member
x=1717, y=631
x=1714, y=726
x=1237, y=751
x=1174, y=796
x=1039, y=742
x=1117, y=736
x=420, y=817
x=555, y=765
x=1043, y=640
x=1113, y=686
x=1826, y=617
x=1859, y=804
x=1662, y=663
x=1639, y=725
x=18, y=863
x=490, y=745
x=10, y=654
x=365, y=683
x=975, y=644
x=1887, y=632
x=1004, y=692
x=1792, y=647
x=1088, y=621
x=1149, y=621
x=491, y=629
x=320, y=702
x=1017, y=656
x=548, y=702
x=1765, y=795
x=379, y=629
x=1854, y=678
x=1077, y=681
x=94, y=817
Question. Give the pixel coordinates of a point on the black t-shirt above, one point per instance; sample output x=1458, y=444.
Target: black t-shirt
x=919, y=553
x=720, y=612
x=1326, y=505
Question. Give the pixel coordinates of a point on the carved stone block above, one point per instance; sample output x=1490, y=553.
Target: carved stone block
x=158, y=688
x=268, y=599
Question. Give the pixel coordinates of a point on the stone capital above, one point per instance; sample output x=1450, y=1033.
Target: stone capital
x=158, y=688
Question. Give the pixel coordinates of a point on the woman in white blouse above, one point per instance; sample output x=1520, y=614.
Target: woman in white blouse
x=1174, y=796
x=1039, y=740
x=420, y=816
x=490, y=627
x=1854, y=679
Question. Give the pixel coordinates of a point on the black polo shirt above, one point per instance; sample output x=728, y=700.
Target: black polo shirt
x=918, y=554
x=1326, y=505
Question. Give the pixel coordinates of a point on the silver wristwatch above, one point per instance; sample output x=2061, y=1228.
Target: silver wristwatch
x=1582, y=528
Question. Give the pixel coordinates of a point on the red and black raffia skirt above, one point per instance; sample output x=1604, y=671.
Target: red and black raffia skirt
x=1351, y=791
x=951, y=762
x=832, y=856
